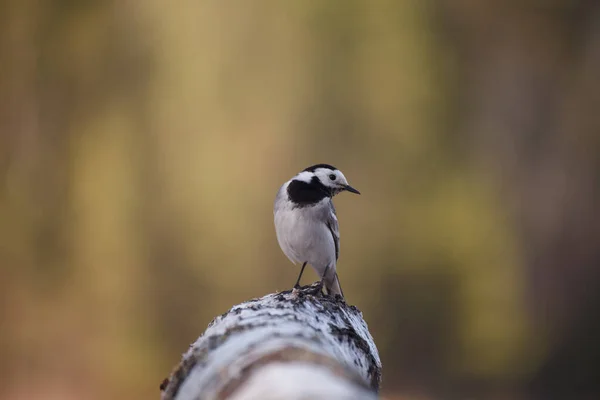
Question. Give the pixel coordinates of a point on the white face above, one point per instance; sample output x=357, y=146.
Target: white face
x=333, y=179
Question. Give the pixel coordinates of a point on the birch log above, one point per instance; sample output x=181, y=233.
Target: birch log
x=297, y=344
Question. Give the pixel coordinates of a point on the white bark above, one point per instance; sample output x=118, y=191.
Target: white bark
x=292, y=345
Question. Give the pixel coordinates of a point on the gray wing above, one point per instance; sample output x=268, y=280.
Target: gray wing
x=332, y=224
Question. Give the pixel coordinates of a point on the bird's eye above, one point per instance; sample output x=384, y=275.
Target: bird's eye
x=332, y=177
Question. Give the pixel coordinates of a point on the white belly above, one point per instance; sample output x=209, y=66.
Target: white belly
x=305, y=239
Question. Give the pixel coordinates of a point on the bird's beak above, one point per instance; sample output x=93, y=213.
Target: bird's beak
x=351, y=189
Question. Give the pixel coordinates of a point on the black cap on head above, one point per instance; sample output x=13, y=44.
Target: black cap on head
x=317, y=166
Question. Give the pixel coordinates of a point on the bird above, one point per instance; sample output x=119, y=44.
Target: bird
x=306, y=223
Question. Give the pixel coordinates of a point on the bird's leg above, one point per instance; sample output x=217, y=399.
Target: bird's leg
x=297, y=285
x=323, y=279
x=339, y=284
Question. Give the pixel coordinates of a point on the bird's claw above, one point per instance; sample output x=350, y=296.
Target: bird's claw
x=316, y=289
x=319, y=288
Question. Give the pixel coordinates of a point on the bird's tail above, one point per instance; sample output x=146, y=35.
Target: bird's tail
x=333, y=285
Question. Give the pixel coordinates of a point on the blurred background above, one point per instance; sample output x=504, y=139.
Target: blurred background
x=142, y=144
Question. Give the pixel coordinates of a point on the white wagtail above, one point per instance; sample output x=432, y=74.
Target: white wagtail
x=306, y=223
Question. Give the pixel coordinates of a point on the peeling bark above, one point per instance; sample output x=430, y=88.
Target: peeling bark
x=294, y=344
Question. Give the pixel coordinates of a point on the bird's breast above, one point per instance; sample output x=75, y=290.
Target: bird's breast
x=302, y=237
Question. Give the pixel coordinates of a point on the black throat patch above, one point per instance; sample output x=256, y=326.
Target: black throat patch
x=304, y=194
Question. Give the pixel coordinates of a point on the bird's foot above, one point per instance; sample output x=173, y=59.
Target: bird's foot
x=319, y=288
x=322, y=282
x=316, y=289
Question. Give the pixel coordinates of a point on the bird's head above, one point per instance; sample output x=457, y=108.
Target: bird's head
x=332, y=178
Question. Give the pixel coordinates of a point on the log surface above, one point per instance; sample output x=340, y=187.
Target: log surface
x=290, y=345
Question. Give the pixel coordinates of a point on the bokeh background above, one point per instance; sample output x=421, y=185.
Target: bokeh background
x=142, y=144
